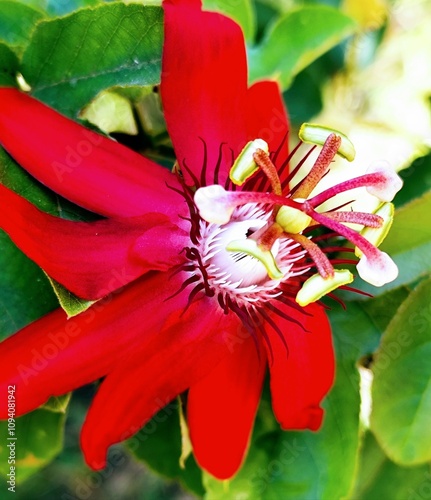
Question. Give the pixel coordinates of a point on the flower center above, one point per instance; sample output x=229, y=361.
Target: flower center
x=249, y=241
x=239, y=275
x=238, y=266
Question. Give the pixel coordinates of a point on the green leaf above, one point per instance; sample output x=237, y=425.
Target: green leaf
x=111, y=112
x=17, y=23
x=25, y=294
x=69, y=302
x=307, y=465
x=8, y=66
x=408, y=243
x=57, y=404
x=240, y=11
x=21, y=277
x=39, y=438
x=91, y=50
x=36, y=4
x=411, y=227
x=417, y=181
x=303, y=99
x=378, y=477
x=383, y=308
x=305, y=34
x=150, y=113
x=279, y=5
x=16, y=178
x=56, y=8
x=159, y=445
x=251, y=480
x=402, y=382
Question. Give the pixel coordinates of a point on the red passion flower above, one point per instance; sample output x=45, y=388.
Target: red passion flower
x=204, y=276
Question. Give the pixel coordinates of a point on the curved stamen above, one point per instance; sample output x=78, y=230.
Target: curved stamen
x=254, y=247
x=263, y=161
x=383, y=184
x=245, y=165
x=321, y=261
x=366, y=247
x=375, y=267
x=292, y=174
x=216, y=205
x=377, y=235
x=363, y=218
x=316, y=286
x=320, y=167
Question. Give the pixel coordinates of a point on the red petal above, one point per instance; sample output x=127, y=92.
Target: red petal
x=204, y=83
x=301, y=378
x=267, y=118
x=84, y=167
x=189, y=346
x=221, y=407
x=191, y=3
x=53, y=356
x=91, y=259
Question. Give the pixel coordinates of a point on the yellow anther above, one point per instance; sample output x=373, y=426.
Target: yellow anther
x=316, y=286
x=317, y=134
x=245, y=166
x=376, y=235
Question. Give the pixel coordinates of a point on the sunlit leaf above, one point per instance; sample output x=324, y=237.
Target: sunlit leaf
x=378, y=477
x=111, y=112
x=240, y=11
x=305, y=34
x=402, y=382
